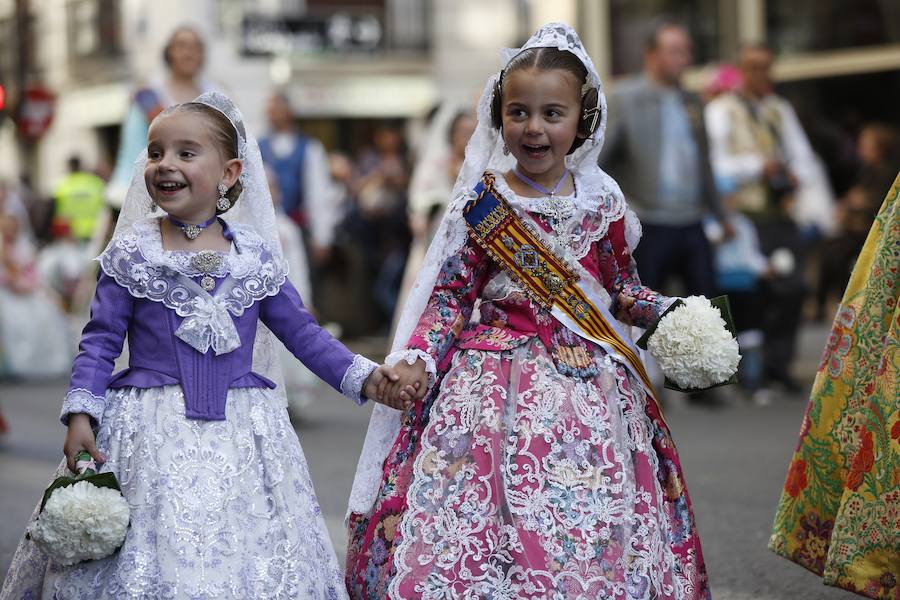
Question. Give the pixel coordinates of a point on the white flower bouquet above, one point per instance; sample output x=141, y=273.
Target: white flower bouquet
x=83, y=517
x=694, y=344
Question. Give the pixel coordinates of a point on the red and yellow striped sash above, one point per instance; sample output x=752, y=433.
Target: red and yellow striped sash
x=547, y=279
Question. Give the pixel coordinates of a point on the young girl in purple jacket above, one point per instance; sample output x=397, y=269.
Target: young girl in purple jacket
x=195, y=429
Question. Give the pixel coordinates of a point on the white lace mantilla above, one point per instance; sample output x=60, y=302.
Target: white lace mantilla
x=633, y=230
x=138, y=262
x=80, y=400
x=355, y=378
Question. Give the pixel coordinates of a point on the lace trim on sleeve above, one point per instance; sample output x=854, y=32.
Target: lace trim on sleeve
x=80, y=400
x=410, y=355
x=633, y=230
x=355, y=377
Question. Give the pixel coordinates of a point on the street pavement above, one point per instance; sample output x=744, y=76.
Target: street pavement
x=735, y=457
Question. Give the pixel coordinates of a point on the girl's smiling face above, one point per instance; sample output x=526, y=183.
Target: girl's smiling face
x=540, y=111
x=185, y=167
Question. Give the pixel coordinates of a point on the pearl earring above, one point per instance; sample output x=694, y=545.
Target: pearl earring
x=223, y=203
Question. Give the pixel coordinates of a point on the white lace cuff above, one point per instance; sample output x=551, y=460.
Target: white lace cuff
x=633, y=230
x=79, y=400
x=355, y=377
x=410, y=355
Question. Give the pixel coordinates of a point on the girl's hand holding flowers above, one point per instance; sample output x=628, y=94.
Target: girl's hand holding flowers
x=84, y=517
x=80, y=437
x=694, y=344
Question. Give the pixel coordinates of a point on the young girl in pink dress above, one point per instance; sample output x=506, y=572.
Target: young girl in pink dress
x=535, y=462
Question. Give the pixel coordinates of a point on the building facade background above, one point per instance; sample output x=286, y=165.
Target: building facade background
x=349, y=63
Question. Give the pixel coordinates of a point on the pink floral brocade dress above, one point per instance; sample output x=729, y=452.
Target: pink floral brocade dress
x=536, y=466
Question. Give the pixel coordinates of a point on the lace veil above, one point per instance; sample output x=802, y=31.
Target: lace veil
x=254, y=209
x=483, y=152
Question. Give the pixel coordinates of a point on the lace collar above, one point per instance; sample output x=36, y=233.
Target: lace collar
x=245, y=257
x=581, y=200
x=578, y=220
x=252, y=271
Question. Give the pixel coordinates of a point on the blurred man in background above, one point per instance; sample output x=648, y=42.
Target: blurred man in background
x=756, y=140
x=308, y=208
x=656, y=149
x=299, y=165
x=757, y=143
x=79, y=200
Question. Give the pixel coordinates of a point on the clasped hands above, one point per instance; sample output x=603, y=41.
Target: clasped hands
x=398, y=386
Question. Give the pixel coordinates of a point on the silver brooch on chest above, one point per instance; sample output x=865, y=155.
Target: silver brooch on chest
x=558, y=213
x=207, y=262
x=558, y=209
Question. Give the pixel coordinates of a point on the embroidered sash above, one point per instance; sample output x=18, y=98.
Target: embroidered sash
x=546, y=278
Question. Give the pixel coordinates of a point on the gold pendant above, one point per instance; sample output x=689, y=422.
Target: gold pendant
x=554, y=284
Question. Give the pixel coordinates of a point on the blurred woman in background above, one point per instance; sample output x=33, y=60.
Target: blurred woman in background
x=432, y=184
x=33, y=330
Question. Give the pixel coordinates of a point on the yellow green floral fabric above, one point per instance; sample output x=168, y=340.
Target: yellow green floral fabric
x=839, y=514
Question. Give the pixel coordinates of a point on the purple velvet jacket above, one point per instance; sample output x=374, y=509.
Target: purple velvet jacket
x=181, y=335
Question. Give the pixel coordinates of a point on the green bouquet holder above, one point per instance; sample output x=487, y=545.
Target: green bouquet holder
x=720, y=302
x=103, y=480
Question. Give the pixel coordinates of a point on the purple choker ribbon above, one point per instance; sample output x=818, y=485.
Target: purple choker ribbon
x=538, y=187
x=191, y=230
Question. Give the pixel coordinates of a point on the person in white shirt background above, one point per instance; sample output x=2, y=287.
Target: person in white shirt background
x=757, y=142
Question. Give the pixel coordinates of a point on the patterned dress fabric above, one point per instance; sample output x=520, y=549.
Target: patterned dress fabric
x=537, y=466
x=839, y=514
x=219, y=509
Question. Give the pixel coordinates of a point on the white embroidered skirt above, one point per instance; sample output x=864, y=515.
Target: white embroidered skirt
x=219, y=509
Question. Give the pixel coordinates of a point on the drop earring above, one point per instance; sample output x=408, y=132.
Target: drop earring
x=505, y=149
x=223, y=203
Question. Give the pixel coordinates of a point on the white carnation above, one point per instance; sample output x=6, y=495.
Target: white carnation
x=81, y=522
x=694, y=348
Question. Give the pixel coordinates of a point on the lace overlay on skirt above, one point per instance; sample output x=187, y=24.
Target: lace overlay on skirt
x=219, y=509
x=530, y=484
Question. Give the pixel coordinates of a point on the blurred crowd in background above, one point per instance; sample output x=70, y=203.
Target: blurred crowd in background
x=796, y=190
